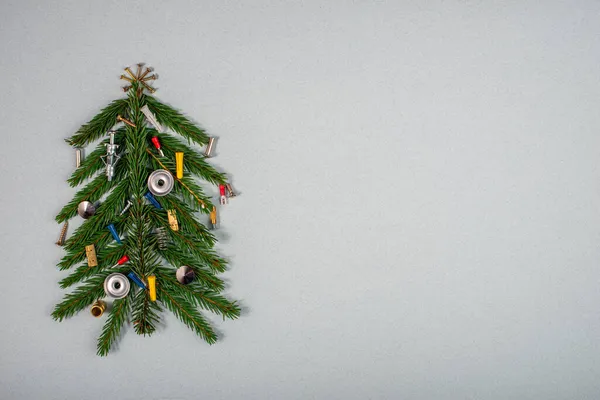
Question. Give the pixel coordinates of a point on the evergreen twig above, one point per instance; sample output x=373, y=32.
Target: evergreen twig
x=193, y=162
x=93, y=162
x=173, y=119
x=77, y=255
x=187, y=221
x=80, y=298
x=108, y=212
x=99, y=125
x=205, y=277
x=144, y=314
x=107, y=257
x=187, y=313
x=187, y=187
x=112, y=328
x=204, y=298
x=91, y=192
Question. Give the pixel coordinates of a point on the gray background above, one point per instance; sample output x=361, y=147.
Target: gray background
x=419, y=216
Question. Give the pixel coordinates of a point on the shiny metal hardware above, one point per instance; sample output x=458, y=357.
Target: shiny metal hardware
x=85, y=209
x=63, y=234
x=116, y=285
x=185, y=274
x=209, y=147
x=111, y=158
x=160, y=182
x=98, y=308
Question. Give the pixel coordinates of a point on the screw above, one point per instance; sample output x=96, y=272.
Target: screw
x=63, y=234
x=150, y=89
x=130, y=73
x=148, y=70
x=126, y=121
x=139, y=70
x=129, y=204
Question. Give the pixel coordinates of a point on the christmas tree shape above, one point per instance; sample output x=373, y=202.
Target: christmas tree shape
x=153, y=245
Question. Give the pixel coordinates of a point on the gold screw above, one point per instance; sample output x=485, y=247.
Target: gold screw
x=126, y=78
x=126, y=88
x=150, y=78
x=130, y=73
x=148, y=70
x=126, y=121
x=63, y=234
x=139, y=70
x=150, y=89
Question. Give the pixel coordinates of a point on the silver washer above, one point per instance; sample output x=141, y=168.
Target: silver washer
x=116, y=285
x=160, y=182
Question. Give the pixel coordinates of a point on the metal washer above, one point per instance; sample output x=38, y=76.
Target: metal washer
x=160, y=182
x=116, y=285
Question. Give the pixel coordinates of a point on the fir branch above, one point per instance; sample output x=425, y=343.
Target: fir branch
x=141, y=245
x=205, y=277
x=204, y=298
x=138, y=162
x=121, y=307
x=176, y=121
x=93, y=162
x=107, y=257
x=91, y=192
x=93, y=230
x=193, y=162
x=108, y=212
x=77, y=255
x=187, y=313
x=90, y=165
x=98, y=125
x=194, y=246
x=145, y=314
x=187, y=222
x=141, y=249
x=189, y=190
x=202, y=255
x=80, y=298
x=112, y=328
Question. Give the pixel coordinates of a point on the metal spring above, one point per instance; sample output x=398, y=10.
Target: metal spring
x=161, y=238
